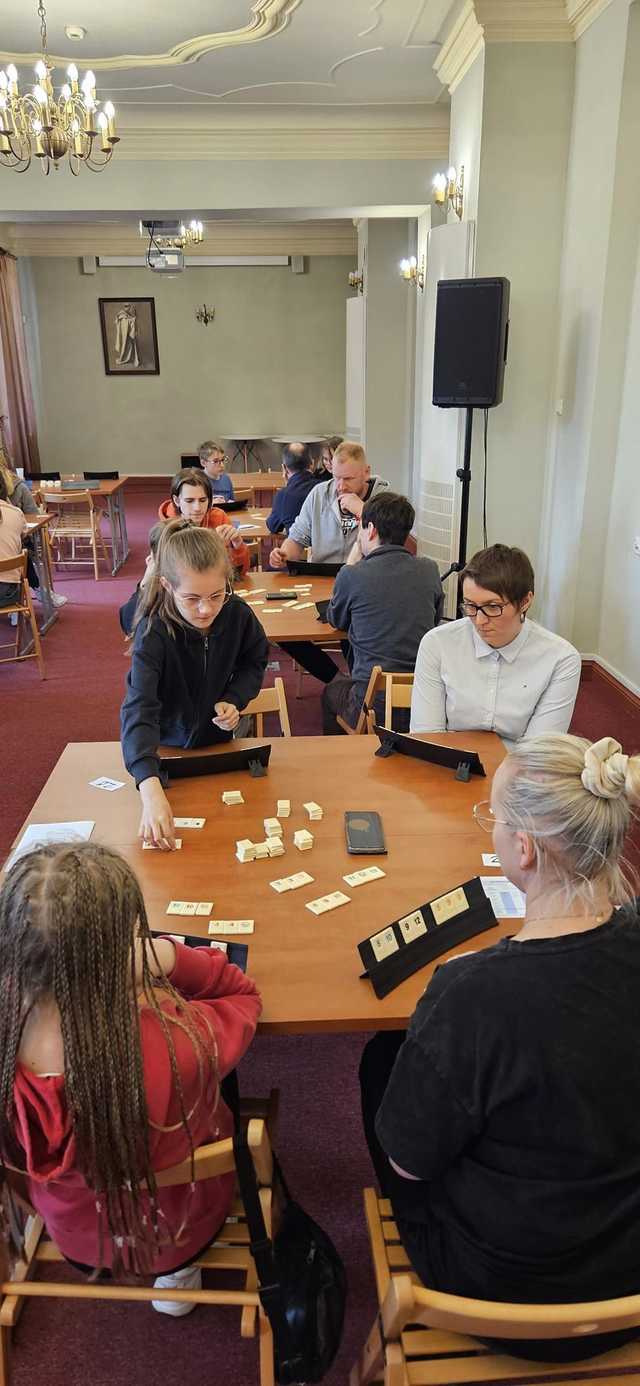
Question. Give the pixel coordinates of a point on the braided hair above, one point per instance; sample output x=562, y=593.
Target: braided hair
x=73, y=929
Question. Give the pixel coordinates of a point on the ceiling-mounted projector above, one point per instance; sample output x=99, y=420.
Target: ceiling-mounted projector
x=164, y=252
x=165, y=261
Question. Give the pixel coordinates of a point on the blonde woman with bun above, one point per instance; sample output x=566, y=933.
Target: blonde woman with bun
x=508, y=1136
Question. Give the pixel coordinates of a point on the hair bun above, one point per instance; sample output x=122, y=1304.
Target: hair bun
x=605, y=768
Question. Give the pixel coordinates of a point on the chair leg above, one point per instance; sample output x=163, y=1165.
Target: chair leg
x=36, y=633
x=5, y=1355
x=267, y=1375
x=94, y=550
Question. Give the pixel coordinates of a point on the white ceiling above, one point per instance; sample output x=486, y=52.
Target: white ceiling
x=234, y=52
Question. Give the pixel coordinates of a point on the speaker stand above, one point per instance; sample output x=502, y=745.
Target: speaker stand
x=464, y=475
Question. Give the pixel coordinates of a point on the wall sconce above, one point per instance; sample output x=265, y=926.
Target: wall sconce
x=205, y=315
x=356, y=281
x=449, y=188
x=409, y=271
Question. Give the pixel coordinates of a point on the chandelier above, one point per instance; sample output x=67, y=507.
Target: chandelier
x=52, y=128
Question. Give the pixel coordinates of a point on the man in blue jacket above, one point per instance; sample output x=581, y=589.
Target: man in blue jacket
x=386, y=602
x=287, y=503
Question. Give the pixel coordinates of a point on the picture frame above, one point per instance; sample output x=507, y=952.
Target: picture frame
x=129, y=336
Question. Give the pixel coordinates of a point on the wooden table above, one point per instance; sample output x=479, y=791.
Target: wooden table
x=36, y=528
x=308, y=969
x=288, y=622
x=252, y=524
x=112, y=493
x=263, y=485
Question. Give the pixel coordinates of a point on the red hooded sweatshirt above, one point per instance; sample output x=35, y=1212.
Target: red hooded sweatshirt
x=225, y=1005
x=239, y=554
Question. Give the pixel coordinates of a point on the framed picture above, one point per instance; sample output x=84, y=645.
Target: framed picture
x=129, y=337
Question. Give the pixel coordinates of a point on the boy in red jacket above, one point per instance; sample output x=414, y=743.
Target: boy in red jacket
x=192, y=497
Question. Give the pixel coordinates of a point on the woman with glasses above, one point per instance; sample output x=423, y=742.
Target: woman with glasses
x=495, y=669
x=198, y=657
x=508, y=1136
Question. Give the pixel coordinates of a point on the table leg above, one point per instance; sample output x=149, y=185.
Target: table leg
x=48, y=612
x=119, y=537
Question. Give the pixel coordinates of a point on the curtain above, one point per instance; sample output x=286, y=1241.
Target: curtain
x=18, y=419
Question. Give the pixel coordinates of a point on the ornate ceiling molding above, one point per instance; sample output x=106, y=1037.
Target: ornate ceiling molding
x=267, y=17
x=148, y=142
x=510, y=21
x=582, y=13
x=68, y=240
x=462, y=45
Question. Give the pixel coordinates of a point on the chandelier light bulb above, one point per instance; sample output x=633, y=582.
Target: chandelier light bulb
x=109, y=110
x=451, y=175
x=405, y=266
x=102, y=121
x=65, y=92
x=40, y=95
x=12, y=72
x=72, y=72
x=4, y=80
x=89, y=80
x=41, y=69
x=440, y=182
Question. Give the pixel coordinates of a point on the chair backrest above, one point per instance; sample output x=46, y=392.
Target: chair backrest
x=101, y=476
x=217, y=1158
x=407, y=1303
x=269, y=700
x=72, y=500
x=366, y=719
x=13, y=565
x=397, y=693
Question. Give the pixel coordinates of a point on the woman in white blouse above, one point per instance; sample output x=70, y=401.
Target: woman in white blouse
x=495, y=670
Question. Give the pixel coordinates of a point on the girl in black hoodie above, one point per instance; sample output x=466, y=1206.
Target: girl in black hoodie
x=199, y=656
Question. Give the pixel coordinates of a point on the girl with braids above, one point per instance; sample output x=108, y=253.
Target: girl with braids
x=508, y=1136
x=112, y=1046
x=199, y=656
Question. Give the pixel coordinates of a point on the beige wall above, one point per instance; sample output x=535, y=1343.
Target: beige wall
x=466, y=132
x=390, y=315
x=273, y=361
x=528, y=95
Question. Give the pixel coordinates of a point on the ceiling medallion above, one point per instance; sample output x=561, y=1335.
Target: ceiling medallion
x=52, y=128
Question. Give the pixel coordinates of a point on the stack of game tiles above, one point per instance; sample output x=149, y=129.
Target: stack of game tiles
x=303, y=840
x=283, y=809
x=245, y=850
x=232, y=796
x=272, y=827
x=314, y=811
x=275, y=846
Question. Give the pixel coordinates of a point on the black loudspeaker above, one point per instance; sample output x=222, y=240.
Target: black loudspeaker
x=472, y=331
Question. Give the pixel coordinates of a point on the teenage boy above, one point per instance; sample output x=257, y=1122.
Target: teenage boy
x=192, y=497
x=212, y=460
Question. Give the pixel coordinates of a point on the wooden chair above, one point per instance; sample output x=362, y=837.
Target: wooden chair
x=397, y=690
x=423, y=1336
x=76, y=520
x=397, y=693
x=230, y=1253
x=366, y=719
x=269, y=700
x=23, y=610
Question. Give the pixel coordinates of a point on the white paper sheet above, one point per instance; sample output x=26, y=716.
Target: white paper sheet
x=507, y=902
x=41, y=834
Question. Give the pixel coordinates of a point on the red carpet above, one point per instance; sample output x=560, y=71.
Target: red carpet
x=319, y=1139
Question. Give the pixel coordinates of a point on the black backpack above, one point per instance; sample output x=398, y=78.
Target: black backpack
x=302, y=1281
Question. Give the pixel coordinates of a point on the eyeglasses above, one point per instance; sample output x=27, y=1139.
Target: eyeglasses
x=490, y=610
x=219, y=599
x=485, y=817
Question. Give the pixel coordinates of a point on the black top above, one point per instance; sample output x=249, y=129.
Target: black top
x=386, y=603
x=516, y=1097
x=175, y=682
x=288, y=502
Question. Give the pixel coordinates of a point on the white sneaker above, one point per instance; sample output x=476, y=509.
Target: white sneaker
x=58, y=599
x=188, y=1279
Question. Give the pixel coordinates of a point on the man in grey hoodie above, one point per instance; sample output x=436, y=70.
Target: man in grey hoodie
x=328, y=525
